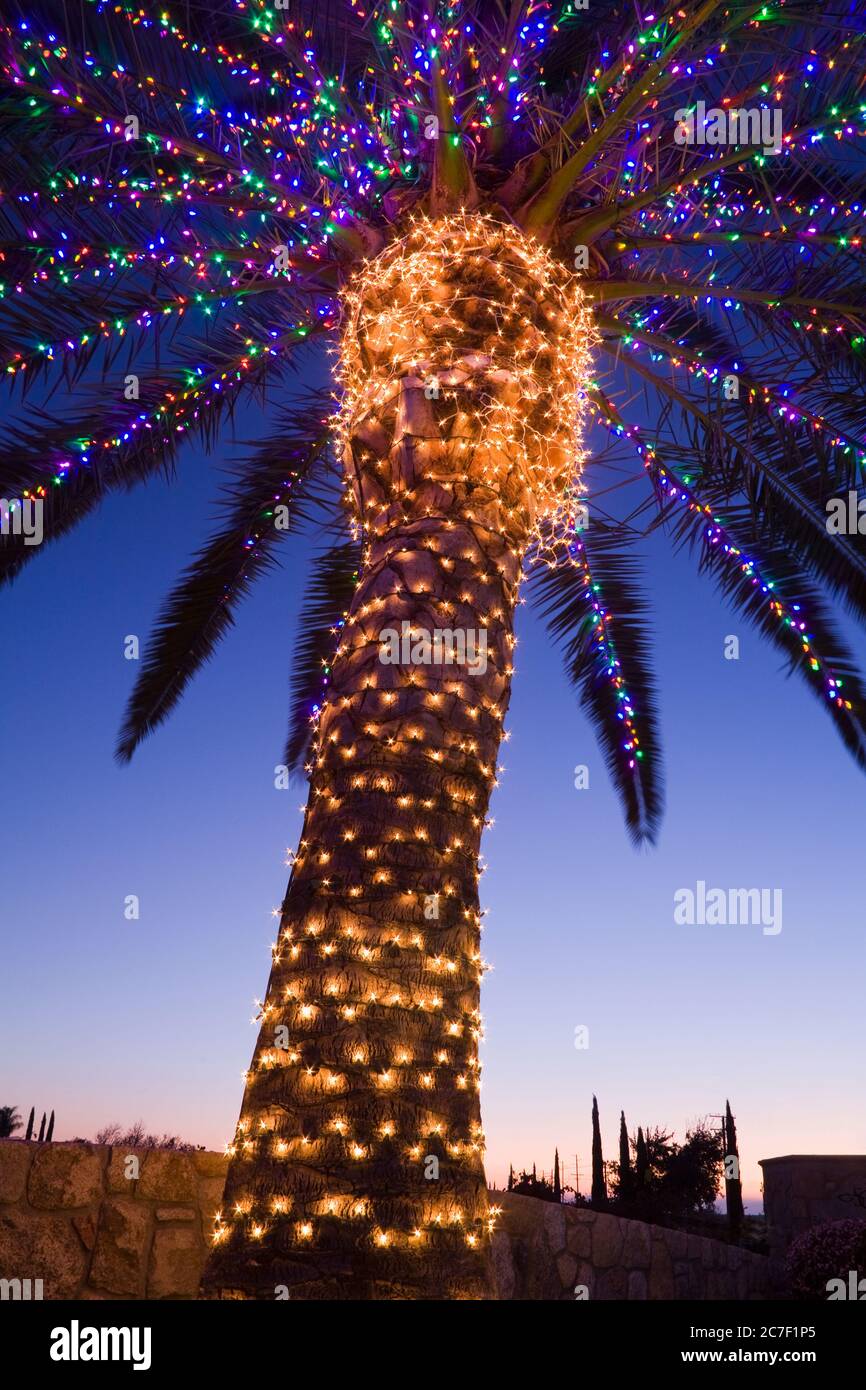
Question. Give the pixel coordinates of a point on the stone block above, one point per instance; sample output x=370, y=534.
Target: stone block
x=63, y=1176
x=176, y=1262
x=554, y=1225
x=120, y=1256
x=210, y=1165
x=520, y=1215
x=661, y=1275
x=210, y=1201
x=579, y=1238
x=693, y=1247
x=607, y=1242
x=120, y=1179
x=637, y=1245
x=695, y=1281
x=167, y=1177
x=708, y=1254
x=504, y=1276
x=566, y=1268
x=15, y=1160
x=176, y=1213
x=677, y=1243
x=85, y=1224
x=34, y=1245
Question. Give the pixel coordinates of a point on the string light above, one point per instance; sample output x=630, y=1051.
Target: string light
x=504, y=334
x=468, y=331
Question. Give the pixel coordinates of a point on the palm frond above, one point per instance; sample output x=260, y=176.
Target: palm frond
x=761, y=580
x=750, y=451
x=74, y=459
x=329, y=591
x=281, y=474
x=595, y=608
x=777, y=598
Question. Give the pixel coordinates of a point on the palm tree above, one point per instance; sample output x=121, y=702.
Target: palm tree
x=10, y=1120
x=510, y=222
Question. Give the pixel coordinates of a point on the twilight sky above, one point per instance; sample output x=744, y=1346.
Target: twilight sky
x=107, y=1019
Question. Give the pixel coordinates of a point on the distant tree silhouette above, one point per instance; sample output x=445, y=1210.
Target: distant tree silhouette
x=42, y=1130
x=10, y=1120
x=669, y=1182
x=557, y=1185
x=50, y=1129
x=29, y=1135
x=641, y=1163
x=529, y=1185
x=733, y=1184
x=691, y=1173
x=625, y=1176
x=510, y=1178
x=598, y=1192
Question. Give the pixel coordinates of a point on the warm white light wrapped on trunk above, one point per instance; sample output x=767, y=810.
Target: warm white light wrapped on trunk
x=468, y=339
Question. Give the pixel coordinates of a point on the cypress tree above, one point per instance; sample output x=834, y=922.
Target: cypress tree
x=557, y=1186
x=626, y=1177
x=641, y=1162
x=29, y=1135
x=50, y=1129
x=510, y=1178
x=42, y=1129
x=733, y=1185
x=598, y=1194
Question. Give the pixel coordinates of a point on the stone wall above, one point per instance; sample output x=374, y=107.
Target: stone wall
x=801, y=1190
x=545, y=1251
x=90, y=1224
x=74, y=1216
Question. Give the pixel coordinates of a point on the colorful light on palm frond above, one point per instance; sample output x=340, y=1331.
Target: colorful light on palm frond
x=265, y=140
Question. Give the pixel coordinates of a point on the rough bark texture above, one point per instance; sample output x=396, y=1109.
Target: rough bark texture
x=333, y=1190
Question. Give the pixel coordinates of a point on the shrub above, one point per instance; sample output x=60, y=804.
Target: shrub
x=828, y=1251
x=136, y=1137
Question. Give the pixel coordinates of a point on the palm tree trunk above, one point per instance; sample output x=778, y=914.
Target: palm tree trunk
x=357, y=1171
